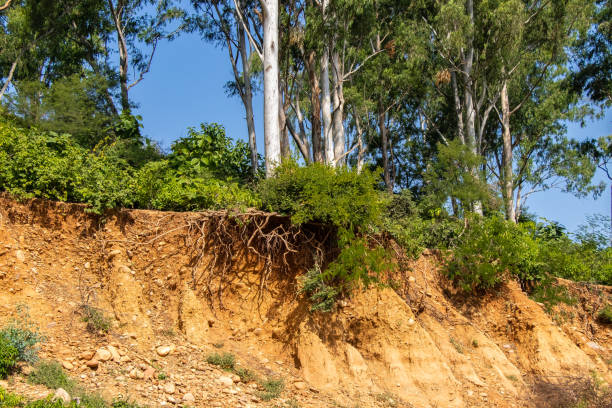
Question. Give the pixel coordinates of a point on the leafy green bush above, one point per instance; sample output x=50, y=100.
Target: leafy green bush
x=209, y=150
x=48, y=165
x=226, y=361
x=418, y=226
x=9, y=400
x=490, y=251
x=95, y=319
x=322, y=296
x=318, y=193
x=356, y=264
x=158, y=186
x=272, y=388
x=8, y=357
x=23, y=335
x=51, y=375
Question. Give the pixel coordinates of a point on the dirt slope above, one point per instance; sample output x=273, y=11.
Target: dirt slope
x=421, y=345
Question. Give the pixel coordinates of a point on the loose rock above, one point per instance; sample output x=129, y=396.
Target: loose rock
x=62, y=394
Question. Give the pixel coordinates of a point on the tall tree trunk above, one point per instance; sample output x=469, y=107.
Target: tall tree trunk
x=117, y=13
x=326, y=96
x=470, y=111
x=458, y=110
x=338, y=115
x=271, y=88
x=384, y=137
x=315, y=114
x=326, y=108
x=284, y=129
x=8, y=79
x=507, y=179
x=247, y=100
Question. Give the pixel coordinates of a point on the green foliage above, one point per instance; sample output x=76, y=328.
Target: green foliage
x=226, y=361
x=419, y=226
x=336, y=196
x=272, y=388
x=356, y=264
x=158, y=186
x=23, y=335
x=95, y=319
x=209, y=150
x=453, y=176
x=605, y=315
x=51, y=375
x=489, y=252
x=245, y=374
x=321, y=295
x=48, y=165
x=551, y=294
x=8, y=357
x=8, y=400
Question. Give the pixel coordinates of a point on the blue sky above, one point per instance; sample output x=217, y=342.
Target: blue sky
x=185, y=88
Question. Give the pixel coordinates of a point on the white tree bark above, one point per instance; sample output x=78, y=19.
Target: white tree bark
x=326, y=98
x=271, y=86
x=248, y=98
x=338, y=115
x=8, y=79
x=470, y=111
x=507, y=178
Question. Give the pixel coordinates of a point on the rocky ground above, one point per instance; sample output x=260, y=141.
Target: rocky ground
x=420, y=345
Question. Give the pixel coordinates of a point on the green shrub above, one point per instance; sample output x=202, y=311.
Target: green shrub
x=417, y=226
x=48, y=165
x=490, y=251
x=318, y=193
x=209, y=150
x=321, y=295
x=272, y=388
x=605, y=315
x=245, y=374
x=8, y=357
x=226, y=361
x=356, y=264
x=158, y=186
x=22, y=334
x=8, y=400
x=51, y=375
x=95, y=319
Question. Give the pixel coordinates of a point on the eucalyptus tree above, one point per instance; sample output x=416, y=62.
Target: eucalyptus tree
x=135, y=28
x=228, y=24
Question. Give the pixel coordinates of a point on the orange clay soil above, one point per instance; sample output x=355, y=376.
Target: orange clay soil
x=420, y=345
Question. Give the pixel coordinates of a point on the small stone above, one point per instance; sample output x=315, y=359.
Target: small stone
x=169, y=388
x=171, y=399
x=411, y=279
x=87, y=265
x=163, y=351
x=188, y=398
x=61, y=394
x=258, y=331
x=136, y=374
x=93, y=364
x=226, y=381
x=103, y=355
x=411, y=322
x=470, y=393
x=236, y=378
x=148, y=373
x=20, y=256
x=300, y=385
x=114, y=353
x=594, y=345
x=67, y=365
x=86, y=355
